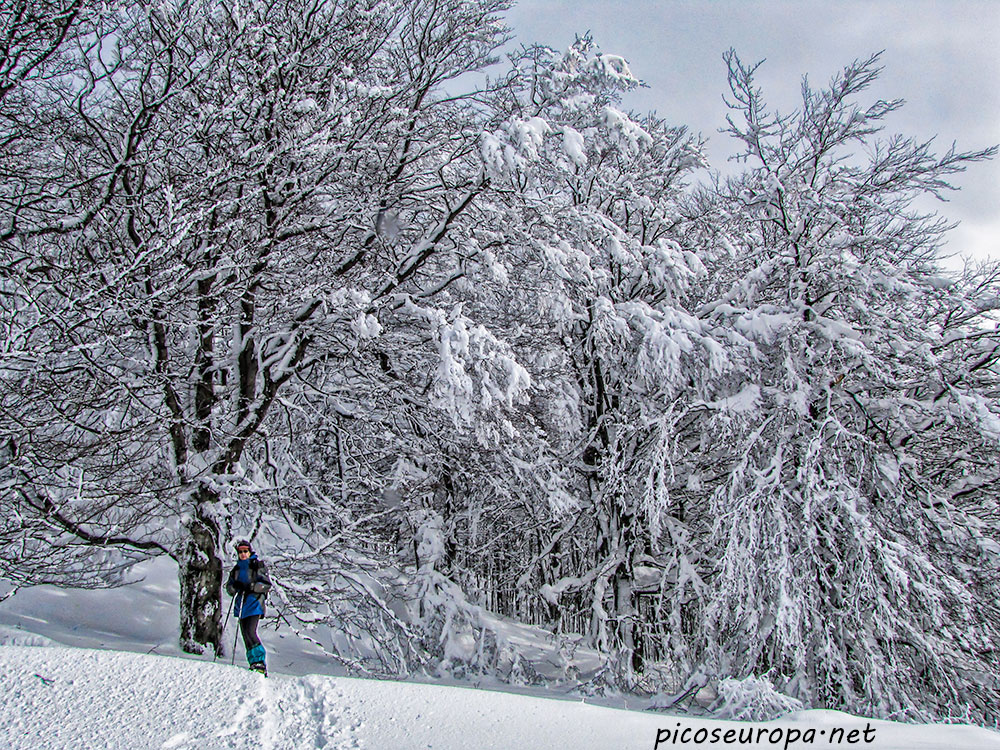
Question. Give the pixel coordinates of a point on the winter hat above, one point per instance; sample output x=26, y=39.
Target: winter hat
x=244, y=543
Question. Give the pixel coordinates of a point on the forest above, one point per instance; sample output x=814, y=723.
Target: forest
x=427, y=314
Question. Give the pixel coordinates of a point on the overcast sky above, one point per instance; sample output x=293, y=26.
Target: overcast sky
x=940, y=56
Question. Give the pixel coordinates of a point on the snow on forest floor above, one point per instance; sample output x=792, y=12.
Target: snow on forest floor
x=105, y=695
x=81, y=698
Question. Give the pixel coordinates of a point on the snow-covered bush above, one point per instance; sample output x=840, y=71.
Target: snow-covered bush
x=751, y=699
x=455, y=638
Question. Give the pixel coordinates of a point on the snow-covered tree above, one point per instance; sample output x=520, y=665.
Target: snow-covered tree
x=592, y=206
x=84, y=89
x=256, y=189
x=846, y=506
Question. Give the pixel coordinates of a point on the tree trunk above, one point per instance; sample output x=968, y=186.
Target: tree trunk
x=624, y=625
x=624, y=635
x=200, y=573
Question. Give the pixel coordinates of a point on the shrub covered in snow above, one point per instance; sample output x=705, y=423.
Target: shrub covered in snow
x=752, y=699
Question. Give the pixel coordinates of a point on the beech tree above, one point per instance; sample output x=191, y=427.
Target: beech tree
x=593, y=204
x=847, y=536
x=252, y=188
x=83, y=91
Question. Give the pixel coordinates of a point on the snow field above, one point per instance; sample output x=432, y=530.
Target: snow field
x=76, y=671
x=57, y=697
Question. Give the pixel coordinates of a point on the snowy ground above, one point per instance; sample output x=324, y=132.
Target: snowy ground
x=111, y=693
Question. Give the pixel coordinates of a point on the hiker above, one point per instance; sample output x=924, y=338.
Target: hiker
x=248, y=583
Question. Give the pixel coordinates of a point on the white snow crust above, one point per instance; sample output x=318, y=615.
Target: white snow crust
x=58, y=697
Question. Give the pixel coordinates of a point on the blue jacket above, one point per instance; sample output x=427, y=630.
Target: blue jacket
x=251, y=573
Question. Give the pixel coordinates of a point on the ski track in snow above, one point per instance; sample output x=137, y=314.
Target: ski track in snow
x=73, y=698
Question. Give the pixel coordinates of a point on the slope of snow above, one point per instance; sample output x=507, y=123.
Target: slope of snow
x=58, y=697
x=141, y=617
x=140, y=695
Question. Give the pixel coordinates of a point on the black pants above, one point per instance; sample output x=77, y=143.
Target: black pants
x=248, y=628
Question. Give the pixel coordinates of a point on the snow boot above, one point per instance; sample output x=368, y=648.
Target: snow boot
x=259, y=667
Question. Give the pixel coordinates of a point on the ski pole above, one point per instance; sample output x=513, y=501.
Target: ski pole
x=237, y=635
x=224, y=624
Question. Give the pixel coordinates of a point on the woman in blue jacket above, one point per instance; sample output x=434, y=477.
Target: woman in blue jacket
x=249, y=583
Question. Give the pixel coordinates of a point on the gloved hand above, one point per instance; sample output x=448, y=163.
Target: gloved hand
x=240, y=586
